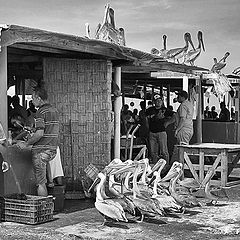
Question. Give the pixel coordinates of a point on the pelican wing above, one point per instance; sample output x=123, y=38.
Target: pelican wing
x=111, y=209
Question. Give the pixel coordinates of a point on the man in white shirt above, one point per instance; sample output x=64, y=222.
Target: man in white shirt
x=183, y=120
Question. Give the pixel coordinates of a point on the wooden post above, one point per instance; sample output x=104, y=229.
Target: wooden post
x=117, y=115
x=168, y=94
x=3, y=89
x=23, y=93
x=199, y=110
x=145, y=92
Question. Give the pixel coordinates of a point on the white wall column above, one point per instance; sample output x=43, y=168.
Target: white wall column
x=185, y=83
x=117, y=115
x=3, y=89
x=199, y=109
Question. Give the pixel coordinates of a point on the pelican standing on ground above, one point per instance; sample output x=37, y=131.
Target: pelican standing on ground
x=192, y=55
x=178, y=53
x=186, y=200
x=108, y=207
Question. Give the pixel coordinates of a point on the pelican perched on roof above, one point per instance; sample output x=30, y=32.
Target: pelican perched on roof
x=178, y=53
x=87, y=30
x=219, y=65
x=192, y=55
x=161, y=52
x=236, y=71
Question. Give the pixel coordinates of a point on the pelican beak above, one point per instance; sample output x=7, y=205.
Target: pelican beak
x=170, y=175
x=125, y=168
x=190, y=41
x=152, y=180
x=201, y=40
x=111, y=168
x=96, y=181
x=158, y=164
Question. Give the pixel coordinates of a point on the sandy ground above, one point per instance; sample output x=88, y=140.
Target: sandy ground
x=82, y=221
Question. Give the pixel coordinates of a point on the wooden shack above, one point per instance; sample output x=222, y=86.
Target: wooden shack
x=78, y=73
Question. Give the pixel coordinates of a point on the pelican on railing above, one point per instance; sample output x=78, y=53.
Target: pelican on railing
x=192, y=55
x=178, y=53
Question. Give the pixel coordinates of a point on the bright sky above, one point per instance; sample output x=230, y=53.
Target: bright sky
x=144, y=22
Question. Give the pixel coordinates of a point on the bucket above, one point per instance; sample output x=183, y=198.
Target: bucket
x=59, y=193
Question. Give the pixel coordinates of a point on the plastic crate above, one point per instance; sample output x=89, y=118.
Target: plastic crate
x=33, y=210
x=91, y=171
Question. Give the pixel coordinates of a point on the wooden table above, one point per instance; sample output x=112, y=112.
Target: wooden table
x=205, y=158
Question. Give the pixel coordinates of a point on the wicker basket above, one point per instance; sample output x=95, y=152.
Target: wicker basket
x=34, y=210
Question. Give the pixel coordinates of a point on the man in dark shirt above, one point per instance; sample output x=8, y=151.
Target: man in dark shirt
x=156, y=116
x=44, y=141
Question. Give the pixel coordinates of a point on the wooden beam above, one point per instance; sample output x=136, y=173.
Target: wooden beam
x=3, y=89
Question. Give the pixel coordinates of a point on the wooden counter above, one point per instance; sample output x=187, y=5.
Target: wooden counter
x=20, y=176
x=203, y=159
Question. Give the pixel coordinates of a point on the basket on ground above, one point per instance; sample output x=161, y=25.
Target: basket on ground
x=33, y=210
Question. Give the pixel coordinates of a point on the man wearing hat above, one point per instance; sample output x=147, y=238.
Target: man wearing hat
x=156, y=116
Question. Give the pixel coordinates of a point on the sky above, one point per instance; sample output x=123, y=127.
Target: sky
x=144, y=22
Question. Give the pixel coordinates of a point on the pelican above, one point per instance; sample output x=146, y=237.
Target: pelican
x=219, y=65
x=190, y=183
x=87, y=29
x=144, y=204
x=236, y=71
x=211, y=195
x=186, y=200
x=192, y=55
x=178, y=53
x=167, y=202
x=163, y=51
x=108, y=207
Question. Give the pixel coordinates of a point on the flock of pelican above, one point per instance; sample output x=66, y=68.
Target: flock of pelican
x=175, y=54
x=132, y=190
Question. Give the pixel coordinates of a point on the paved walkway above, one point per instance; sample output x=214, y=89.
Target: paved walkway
x=80, y=220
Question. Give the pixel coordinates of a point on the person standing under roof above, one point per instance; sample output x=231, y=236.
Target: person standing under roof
x=183, y=120
x=44, y=141
x=156, y=116
x=17, y=108
x=224, y=115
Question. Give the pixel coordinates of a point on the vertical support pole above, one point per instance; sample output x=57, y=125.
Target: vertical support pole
x=168, y=94
x=145, y=92
x=3, y=89
x=185, y=83
x=23, y=93
x=199, y=110
x=161, y=90
x=237, y=112
x=117, y=115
